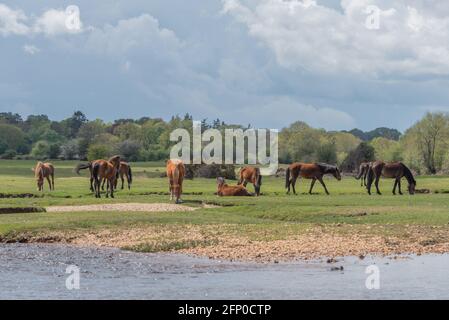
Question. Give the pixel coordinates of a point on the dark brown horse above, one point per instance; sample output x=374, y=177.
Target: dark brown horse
x=175, y=173
x=314, y=171
x=224, y=190
x=44, y=171
x=252, y=175
x=394, y=170
x=363, y=173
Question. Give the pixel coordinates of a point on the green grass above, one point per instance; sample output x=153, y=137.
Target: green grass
x=274, y=215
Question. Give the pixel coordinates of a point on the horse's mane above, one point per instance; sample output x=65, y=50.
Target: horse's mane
x=326, y=168
x=408, y=174
x=38, y=169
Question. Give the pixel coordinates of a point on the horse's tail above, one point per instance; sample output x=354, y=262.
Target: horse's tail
x=360, y=174
x=258, y=177
x=130, y=175
x=95, y=171
x=287, y=177
x=82, y=166
x=176, y=175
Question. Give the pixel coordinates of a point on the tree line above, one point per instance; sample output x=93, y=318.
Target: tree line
x=423, y=146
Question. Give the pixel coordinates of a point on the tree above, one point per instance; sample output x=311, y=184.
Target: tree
x=41, y=150
x=364, y=152
x=430, y=135
x=327, y=153
x=98, y=151
x=69, y=150
x=387, y=150
x=129, y=149
x=11, y=137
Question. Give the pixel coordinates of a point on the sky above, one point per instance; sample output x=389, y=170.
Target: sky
x=333, y=64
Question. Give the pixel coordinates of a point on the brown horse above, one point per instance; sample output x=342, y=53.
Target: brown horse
x=175, y=173
x=102, y=169
x=251, y=174
x=123, y=171
x=394, y=170
x=363, y=173
x=314, y=171
x=224, y=190
x=44, y=171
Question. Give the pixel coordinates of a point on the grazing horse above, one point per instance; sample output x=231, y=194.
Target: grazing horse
x=394, y=170
x=102, y=169
x=175, y=173
x=251, y=174
x=44, y=171
x=224, y=190
x=363, y=173
x=314, y=171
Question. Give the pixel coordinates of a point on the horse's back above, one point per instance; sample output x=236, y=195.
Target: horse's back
x=173, y=165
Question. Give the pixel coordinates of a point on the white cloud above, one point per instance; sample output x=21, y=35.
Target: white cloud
x=12, y=21
x=56, y=22
x=282, y=110
x=142, y=32
x=312, y=37
x=30, y=49
x=52, y=22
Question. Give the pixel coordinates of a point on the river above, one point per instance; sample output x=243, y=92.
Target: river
x=38, y=271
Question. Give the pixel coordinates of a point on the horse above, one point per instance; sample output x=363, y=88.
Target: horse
x=124, y=170
x=363, y=173
x=251, y=174
x=44, y=171
x=224, y=190
x=393, y=170
x=314, y=171
x=101, y=170
x=175, y=172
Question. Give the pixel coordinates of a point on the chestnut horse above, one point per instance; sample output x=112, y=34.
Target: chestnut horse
x=44, y=171
x=123, y=171
x=314, y=171
x=175, y=173
x=101, y=170
x=394, y=170
x=363, y=172
x=251, y=174
x=224, y=190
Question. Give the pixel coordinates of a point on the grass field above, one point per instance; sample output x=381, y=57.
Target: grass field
x=274, y=225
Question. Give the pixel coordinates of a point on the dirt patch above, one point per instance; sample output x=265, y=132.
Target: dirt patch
x=134, y=207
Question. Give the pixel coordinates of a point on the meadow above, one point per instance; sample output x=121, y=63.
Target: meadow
x=272, y=226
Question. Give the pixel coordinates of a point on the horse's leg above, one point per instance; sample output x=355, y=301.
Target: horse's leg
x=111, y=182
x=49, y=182
x=311, y=185
x=320, y=179
x=377, y=184
x=123, y=181
x=170, y=188
x=288, y=186
x=399, y=185
x=102, y=185
x=395, y=185
x=294, y=184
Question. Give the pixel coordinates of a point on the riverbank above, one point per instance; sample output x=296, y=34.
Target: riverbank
x=231, y=242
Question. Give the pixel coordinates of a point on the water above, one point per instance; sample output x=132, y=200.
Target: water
x=36, y=271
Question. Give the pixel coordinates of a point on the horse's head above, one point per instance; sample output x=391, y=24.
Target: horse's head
x=336, y=173
x=39, y=175
x=412, y=187
x=115, y=160
x=220, y=182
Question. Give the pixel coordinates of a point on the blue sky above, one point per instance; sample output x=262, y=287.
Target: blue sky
x=268, y=62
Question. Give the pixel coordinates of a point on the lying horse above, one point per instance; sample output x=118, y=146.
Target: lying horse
x=363, y=173
x=44, y=170
x=314, y=171
x=223, y=190
x=175, y=173
x=251, y=174
x=394, y=170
